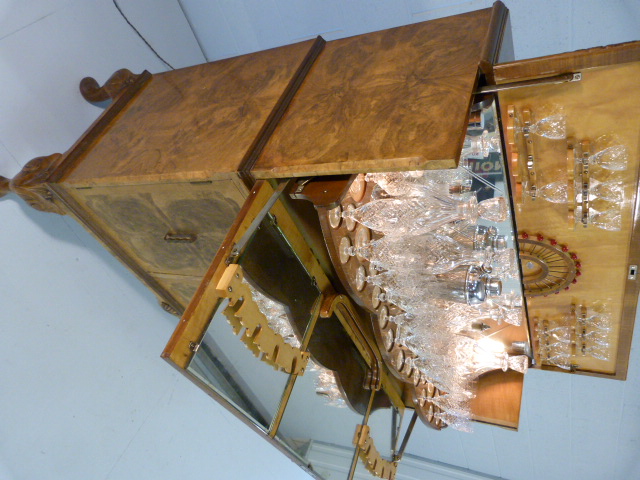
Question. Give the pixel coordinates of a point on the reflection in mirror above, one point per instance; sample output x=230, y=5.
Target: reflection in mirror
x=321, y=417
x=223, y=362
x=277, y=273
x=381, y=432
x=225, y=365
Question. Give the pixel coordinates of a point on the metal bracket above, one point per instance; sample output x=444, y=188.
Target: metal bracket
x=240, y=244
x=562, y=78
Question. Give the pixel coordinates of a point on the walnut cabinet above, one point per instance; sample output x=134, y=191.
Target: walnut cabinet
x=192, y=178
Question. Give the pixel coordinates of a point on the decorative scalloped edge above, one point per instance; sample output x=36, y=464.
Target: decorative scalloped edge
x=244, y=316
x=370, y=456
x=423, y=385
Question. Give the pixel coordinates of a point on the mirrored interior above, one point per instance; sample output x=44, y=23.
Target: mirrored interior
x=485, y=162
x=223, y=361
x=315, y=415
x=328, y=401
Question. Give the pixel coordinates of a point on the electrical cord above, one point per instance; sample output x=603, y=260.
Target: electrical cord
x=140, y=35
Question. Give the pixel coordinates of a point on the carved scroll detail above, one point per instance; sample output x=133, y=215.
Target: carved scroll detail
x=370, y=456
x=243, y=314
x=92, y=92
x=4, y=186
x=30, y=184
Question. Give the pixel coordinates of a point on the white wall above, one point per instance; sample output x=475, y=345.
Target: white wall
x=83, y=392
x=541, y=27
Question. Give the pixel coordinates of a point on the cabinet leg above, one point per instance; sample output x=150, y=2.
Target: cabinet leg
x=168, y=308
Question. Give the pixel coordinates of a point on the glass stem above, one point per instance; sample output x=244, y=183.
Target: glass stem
x=482, y=180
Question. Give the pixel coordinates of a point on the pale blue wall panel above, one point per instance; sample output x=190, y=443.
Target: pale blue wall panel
x=308, y=19
x=362, y=16
x=597, y=22
x=212, y=28
x=423, y=10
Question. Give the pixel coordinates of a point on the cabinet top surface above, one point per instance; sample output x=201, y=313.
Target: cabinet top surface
x=394, y=99
x=192, y=123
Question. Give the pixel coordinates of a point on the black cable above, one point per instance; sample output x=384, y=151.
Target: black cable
x=140, y=35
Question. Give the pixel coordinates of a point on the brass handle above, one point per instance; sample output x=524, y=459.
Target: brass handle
x=180, y=237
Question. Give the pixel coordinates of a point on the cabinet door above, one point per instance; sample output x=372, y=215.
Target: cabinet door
x=165, y=233
x=172, y=228
x=265, y=330
x=578, y=207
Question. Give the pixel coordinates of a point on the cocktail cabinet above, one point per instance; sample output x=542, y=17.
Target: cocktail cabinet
x=384, y=227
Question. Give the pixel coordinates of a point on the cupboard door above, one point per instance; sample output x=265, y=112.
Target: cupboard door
x=167, y=228
x=561, y=210
x=265, y=326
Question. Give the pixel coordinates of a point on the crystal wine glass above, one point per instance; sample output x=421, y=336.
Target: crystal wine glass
x=552, y=124
x=493, y=209
x=457, y=422
x=610, y=191
x=555, y=350
x=276, y=314
x=610, y=154
x=560, y=361
x=596, y=351
x=505, y=263
x=455, y=411
x=481, y=145
x=596, y=337
x=401, y=184
x=610, y=219
x=599, y=320
x=389, y=252
x=555, y=192
x=406, y=319
x=561, y=334
x=506, y=307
